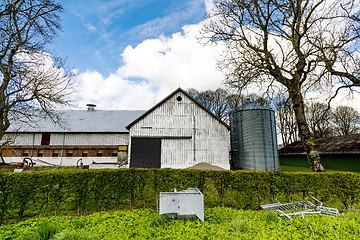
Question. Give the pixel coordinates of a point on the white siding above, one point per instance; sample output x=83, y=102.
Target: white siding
x=72, y=139
x=64, y=161
x=176, y=152
x=24, y=138
x=89, y=139
x=192, y=126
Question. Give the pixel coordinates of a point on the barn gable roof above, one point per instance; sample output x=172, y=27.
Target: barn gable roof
x=168, y=97
x=81, y=121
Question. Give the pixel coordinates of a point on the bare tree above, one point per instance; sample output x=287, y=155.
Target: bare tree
x=297, y=44
x=346, y=120
x=285, y=120
x=319, y=119
x=32, y=82
x=219, y=102
x=254, y=101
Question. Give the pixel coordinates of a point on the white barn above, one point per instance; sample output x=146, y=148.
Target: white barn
x=178, y=132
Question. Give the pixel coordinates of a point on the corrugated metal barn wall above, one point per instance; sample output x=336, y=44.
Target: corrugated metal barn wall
x=73, y=139
x=76, y=142
x=189, y=134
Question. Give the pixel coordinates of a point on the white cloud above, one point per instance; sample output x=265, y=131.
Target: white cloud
x=113, y=92
x=343, y=98
x=162, y=64
x=209, y=5
x=90, y=27
x=112, y=15
x=179, y=61
x=157, y=26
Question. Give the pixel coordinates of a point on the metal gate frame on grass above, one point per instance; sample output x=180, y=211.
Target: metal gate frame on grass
x=289, y=210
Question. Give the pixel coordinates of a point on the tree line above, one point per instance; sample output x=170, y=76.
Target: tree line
x=324, y=120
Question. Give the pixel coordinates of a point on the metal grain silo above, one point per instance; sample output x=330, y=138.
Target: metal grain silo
x=253, y=140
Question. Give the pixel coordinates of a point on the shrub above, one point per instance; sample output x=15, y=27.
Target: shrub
x=44, y=193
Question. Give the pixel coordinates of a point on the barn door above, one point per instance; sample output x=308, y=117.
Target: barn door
x=145, y=152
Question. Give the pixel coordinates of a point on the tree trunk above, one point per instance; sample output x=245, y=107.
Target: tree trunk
x=55, y=211
x=131, y=200
x=157, y=200
x=304, y=132
x=78, y=211
x=222, y=199
x=21, y=213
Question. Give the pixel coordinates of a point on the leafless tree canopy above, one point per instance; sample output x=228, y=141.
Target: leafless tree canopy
x=319, y=118
x=298, y=44
x=32, y=82
x=285, y=120
x=221, y=102
x=346, y=120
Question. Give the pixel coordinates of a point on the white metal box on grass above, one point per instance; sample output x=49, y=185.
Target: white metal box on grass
x=184, y=204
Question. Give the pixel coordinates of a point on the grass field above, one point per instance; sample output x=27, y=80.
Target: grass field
x=349, y=164
x=306, y=169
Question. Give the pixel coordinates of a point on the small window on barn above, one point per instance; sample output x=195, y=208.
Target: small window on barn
x=84, y=153
x=99, y=153
x=114, y=153
x=69, y=153
x=26, y=153
x=45, y=139
x=179, y=98
x=55, y=153
x=40, y=153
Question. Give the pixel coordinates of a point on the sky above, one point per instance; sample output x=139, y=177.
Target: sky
x=130, y=54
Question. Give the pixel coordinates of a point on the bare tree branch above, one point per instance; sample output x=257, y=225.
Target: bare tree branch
x=32, y=82
x=300, y=44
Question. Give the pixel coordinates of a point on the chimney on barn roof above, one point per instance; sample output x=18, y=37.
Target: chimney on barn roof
x=91, y=107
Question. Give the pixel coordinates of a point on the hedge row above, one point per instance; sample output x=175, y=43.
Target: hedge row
x=41, y=193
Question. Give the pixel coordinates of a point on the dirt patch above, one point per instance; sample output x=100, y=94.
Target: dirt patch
x=205, y=166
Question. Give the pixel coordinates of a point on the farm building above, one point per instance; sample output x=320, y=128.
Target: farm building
x=91, y=135
x=178, y=132
x=339, y=153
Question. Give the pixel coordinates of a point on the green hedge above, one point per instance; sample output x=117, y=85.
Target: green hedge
x=30, y=194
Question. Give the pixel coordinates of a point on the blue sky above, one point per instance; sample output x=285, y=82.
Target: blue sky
x=96, y=32
x=130, y=54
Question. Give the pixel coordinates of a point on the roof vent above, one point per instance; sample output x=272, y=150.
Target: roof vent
x=91, y=107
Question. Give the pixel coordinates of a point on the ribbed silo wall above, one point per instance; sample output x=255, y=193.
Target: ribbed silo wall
x=253, y=140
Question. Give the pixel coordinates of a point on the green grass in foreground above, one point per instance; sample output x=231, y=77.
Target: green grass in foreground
x=220, y=223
